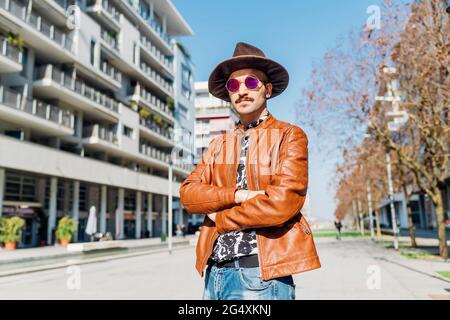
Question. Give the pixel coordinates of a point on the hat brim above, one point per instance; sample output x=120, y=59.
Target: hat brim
x=277, y=74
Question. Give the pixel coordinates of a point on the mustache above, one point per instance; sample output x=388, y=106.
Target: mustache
x=244, y=99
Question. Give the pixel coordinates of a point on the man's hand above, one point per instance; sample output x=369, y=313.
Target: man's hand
x=239, y=197
x=212, y=216
x=244, y=195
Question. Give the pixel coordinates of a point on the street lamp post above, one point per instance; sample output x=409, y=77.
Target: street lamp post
x=399, y=118
x=391, y=198
x=169, y=199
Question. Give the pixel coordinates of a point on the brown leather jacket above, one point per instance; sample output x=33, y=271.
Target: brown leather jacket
x=277, y=162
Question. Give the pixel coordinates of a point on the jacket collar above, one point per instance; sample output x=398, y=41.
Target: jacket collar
x=261, y=122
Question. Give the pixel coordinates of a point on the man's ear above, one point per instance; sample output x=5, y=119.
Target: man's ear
x=268, y=90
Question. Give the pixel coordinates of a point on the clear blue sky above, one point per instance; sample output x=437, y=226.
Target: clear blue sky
x=292, y=32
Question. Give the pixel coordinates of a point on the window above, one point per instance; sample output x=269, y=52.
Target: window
x=92, y=52
x=19, y=187
x=135, y=53
x=127, y=131
x=186, y=76
x=186, y=93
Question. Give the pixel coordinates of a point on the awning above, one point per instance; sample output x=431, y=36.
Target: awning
x=22, y=204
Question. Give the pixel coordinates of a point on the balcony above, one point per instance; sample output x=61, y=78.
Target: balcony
x=154, y=153
x=109, y=70
x=35, y=114
x=104, y=11
x=165, y=86
x=152, y=27
x=96, y=132
x=153, y=53
x=10, y=57
x=155, y=133
x=110, y=40
x=187, y=167
x=140, y=94
x=39, y=24
x=53, y=162
x=51, y=82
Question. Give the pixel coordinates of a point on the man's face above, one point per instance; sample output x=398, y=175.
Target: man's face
x=246, y=101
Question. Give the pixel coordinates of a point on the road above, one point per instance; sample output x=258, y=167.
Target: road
x=351, y=269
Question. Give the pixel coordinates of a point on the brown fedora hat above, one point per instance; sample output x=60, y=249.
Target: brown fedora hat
x=247, y=56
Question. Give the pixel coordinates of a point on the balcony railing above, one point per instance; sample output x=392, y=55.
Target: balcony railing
x=106, y=5
x=37, y=108
x=152, y=100
x=111, y=10
x=154, y=153
x=147, y=44
x=9, y=51
x=101, y=132
x=156, y=77
x=110, y=39
x=76, y=85
x=149, y=124
x=112, y=72
x=37, y=22
x=150, y=22
x=184, y=166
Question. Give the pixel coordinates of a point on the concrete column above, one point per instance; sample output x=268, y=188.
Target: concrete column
x=150, y=213
x=104, y=192
x=138, y=225
x=164, y=24
x=52, y=209
x=2, y=189
x=79, y=125
x=75, y=206
x=151, y=9
x=120, y=208
x=164, y=215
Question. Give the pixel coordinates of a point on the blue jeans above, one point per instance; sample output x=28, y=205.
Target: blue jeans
x=239, y=283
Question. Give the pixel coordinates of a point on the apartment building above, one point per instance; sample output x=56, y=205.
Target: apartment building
x=213, y=116
x=89, y=97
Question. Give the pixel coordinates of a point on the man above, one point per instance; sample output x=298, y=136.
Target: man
x=251, y=185
x=338, y=225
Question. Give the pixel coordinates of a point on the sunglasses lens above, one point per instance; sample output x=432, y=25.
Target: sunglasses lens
x=251, y=82
x=233, y=85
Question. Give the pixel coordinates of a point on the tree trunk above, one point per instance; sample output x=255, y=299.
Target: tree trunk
x=440, y=218
x=377, y=214
x=412, y=234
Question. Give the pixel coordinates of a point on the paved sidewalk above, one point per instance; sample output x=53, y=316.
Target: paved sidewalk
x=59, y=251
x=51, y=257
x=348, y=268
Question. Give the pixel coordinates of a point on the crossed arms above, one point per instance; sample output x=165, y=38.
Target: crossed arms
x=234, y=209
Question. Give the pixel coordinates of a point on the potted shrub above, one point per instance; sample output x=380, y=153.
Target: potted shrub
x=133, y=105
x=158, y=120
x=170, y=103
x=15, y=40
x=65, y=230
x=144, y=114
x=10, y=229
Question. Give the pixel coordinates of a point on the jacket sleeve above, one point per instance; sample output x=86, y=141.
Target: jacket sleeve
x=196, y=192
x=284, y=197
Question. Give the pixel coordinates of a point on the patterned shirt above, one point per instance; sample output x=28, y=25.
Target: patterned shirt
x=238, y=243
